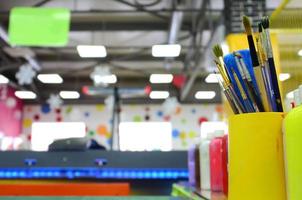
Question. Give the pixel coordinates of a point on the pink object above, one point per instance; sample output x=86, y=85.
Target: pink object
x=10, y=112
x=218, y=164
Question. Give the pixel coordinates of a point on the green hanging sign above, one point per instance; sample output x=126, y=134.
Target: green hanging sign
x=39, y=26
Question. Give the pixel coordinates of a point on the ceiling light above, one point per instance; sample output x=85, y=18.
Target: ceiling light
x=300, y=52
x=284, y=76
x=159, y=94
x=92, y=51
x=213, y=78
x=25, y=95
x=161, y=78
x=205, y=94
x=166, y=50
x=3, y=79
x=50, y=78
x=69, y=95
x=290, y=95
x=107, y=79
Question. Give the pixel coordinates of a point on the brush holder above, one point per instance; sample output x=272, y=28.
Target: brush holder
x=256, y=167
x=293, y=153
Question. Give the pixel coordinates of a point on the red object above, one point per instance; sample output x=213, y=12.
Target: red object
x=148, y=89
x=65, y=189
x=167, y=118
x=179, y=81
x=202, y=119
x=85, y=90
x=37, y=117
x=59, y=119
x=218, y=164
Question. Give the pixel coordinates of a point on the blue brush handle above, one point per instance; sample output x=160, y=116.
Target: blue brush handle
x=275, y=84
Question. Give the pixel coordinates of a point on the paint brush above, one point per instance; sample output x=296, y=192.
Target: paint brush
x=271, y=63
x=270, y=100
x=247, y=103
x=217, y=50
x=260, y=89
x=252, y=93
x=228, y=95
x=230, y=90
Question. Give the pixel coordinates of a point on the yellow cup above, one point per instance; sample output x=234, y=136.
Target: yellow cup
x=293, y=151
x=256, y=165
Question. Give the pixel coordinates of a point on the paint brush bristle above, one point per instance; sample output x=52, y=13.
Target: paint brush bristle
x=247, y=25
x=217, y=50
x=265, y=22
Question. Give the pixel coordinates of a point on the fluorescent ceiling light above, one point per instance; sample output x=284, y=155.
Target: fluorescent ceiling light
x=92, y=51
x=161, y=78
x=106, y=79
x=205, y=94
x=212, y=78
x=50, y=78
x=25, y=95
x=3, y=79
x=69, y=95
x=284, y=76
x=300, y=52
x=166, y=50
x=290, y=95
x=159, y=94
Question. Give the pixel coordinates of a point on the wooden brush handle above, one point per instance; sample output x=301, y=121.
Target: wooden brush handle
x=275, y=84
x=261, y=86
x=231, y=102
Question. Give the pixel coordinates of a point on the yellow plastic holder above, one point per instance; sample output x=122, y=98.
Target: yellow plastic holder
x=256, y=164
x=293, y=153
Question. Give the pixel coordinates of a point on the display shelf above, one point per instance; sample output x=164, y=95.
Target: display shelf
x=186, y=191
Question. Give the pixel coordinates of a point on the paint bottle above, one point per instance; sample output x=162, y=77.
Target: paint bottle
x=204, y=152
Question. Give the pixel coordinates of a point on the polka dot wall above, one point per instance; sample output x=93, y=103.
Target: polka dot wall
x=185, y=120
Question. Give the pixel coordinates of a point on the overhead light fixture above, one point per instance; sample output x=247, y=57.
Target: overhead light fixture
x=92, y=51
x=166, y=50
x=159, y=94
x=50, y=78
x=205, y=94
x=3, y=79
x=284, y=76
x=161, y=78
x=69, y=95
x=106, y=79
x=213, y=78
x=25, y=95
x=300, y=52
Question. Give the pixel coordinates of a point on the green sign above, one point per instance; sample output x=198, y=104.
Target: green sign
x=39, y=26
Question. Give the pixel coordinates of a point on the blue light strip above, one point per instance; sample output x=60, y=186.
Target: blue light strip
x=75, y=173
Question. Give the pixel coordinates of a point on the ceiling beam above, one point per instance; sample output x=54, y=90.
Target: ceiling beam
x=104, y=21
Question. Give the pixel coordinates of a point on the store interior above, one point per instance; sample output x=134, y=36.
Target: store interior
x=151, y=99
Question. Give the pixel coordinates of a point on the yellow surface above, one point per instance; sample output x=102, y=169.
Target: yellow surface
x=256, y=167
x=293, y=158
